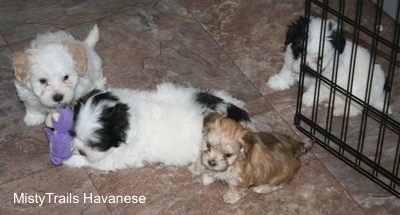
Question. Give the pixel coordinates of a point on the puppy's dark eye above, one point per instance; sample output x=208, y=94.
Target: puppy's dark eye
x=208, y=146
x=82, y=152
x=43, y=81
x=66, y=77
x=228, y=155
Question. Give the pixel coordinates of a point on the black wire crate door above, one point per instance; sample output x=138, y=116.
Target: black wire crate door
x=344, y=116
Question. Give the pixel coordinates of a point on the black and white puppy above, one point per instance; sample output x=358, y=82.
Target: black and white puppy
x=122, y=128
x=325, y=40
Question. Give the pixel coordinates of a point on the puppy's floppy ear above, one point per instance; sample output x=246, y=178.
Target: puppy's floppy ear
x=209, y=120
x=295, y=30
x=115, y=124
x=82, y=101
x=79, y=54
x=20, y=66
x=337, y=37
x=249, y=139
x=296, y=34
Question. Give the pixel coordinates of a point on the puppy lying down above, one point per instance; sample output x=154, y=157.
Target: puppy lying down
x=122, y=128
x=235, y=155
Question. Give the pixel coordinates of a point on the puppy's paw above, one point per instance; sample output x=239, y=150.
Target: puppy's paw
x=263, y=189
x=276, y=82
x=194, y=169
x=308, y=99
x=354, y=111
x=337, y=112
x=100, y=84
x=31, y=119
x=340, y=111
x=390, y=110
x=232, y=196
x=207, y=179
x=76, y=161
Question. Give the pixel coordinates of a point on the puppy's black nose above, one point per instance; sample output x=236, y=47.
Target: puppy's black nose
x=212, y=162
x=58, y=97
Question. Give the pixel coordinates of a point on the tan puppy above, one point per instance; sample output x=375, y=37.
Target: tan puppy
x=235, y=155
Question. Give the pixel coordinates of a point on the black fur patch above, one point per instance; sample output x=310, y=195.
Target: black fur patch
x=115, y=124
x=82, y=101
x=237, y=114
x=114, y=120
x=72, y=132
x=211, y=101
x=208, y=100
x=337, y=39
x=387, y=86
x=295, y=36
x=297, y=33
x=84, y=98
x=103, y=97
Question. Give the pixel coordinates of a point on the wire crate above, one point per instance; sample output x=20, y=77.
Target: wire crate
x=370, y=141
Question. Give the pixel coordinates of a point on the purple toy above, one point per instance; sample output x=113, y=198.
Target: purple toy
x=58, y=125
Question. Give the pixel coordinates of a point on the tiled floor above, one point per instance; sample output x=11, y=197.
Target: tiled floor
x=229, y=44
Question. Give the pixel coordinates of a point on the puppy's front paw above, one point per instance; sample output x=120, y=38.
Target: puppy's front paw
x=76, y=161
x=339, y=111
x=276, y=82
x=354, y=111
x=263, y=189
x=194, y=169
x=390, y=111
x=308, y=99
x=232, y=196
x=207, y=179
x=31, y=119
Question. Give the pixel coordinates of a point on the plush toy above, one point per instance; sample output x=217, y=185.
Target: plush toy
x=58, y=125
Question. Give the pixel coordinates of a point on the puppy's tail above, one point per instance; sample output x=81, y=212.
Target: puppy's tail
x=284, y=142
x=93, y=37
x=300, y=148
x=224, y=104
x=305, y=147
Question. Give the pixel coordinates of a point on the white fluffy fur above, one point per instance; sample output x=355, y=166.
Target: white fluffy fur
x=289, y=73
x=165, y=126
x=70, y=68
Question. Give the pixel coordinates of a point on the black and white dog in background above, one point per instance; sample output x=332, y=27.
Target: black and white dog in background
x=322, y=60
x=122, y=128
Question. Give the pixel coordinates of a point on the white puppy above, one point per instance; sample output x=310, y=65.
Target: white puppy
x=123, y=128
x=55, y=71
x=323, y=61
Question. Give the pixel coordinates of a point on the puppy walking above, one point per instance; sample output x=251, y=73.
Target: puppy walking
x=55, y=71
x=233, y=154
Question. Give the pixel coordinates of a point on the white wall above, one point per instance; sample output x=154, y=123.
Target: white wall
x=390, y=7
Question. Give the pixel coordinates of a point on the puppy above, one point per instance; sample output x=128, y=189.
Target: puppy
x=235, y=155
x=323, y=61
x=123, y=128
x=55, y=71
